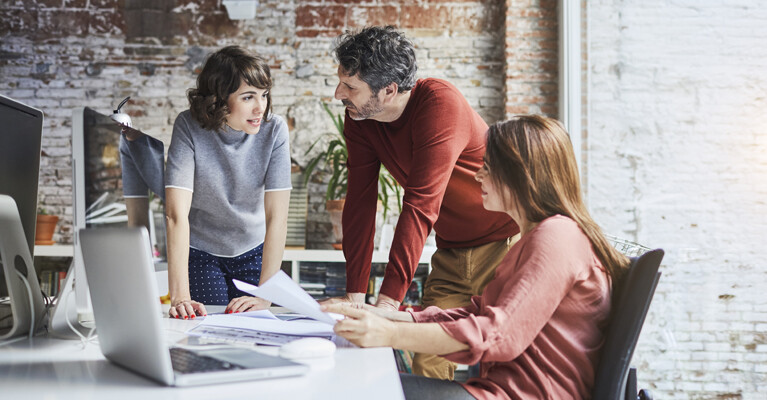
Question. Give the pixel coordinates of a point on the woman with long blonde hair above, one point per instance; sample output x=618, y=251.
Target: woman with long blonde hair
x=537, y=329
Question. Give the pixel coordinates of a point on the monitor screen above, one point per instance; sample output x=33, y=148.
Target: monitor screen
x=21, y=303
x=119, y=173
x=115, y=171
x=21, y=130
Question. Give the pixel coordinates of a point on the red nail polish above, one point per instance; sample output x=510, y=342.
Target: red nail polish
x=192, y=316
x=185, y=317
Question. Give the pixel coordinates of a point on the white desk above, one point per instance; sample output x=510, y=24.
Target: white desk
x=50, y=369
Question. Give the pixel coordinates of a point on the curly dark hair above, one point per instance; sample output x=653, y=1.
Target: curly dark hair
x=222, y=75
x=381, y=55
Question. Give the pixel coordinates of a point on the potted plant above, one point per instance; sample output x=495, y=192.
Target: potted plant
x=46, y=225
x=335, y=156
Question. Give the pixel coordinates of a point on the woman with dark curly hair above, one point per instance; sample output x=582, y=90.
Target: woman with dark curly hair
x=537, y=329
x=227, y=187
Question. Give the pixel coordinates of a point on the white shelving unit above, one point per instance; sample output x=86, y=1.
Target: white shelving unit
x=295, y=257
x=55, y=250
x=379, y=257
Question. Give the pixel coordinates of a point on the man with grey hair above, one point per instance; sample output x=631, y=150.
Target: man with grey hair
x=432, y=142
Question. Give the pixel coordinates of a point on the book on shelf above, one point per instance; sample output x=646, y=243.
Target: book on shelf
x=414, y=293
x=413, y=296
x=310, y=285
x=377, y=281
x=333, y=291
x=404, y=360
x=44, y=285
x=49, y=282
x=62, y=275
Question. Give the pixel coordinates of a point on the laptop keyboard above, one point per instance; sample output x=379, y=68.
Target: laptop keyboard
x=186, y=362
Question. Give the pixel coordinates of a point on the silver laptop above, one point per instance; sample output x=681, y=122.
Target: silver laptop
x=126, y=307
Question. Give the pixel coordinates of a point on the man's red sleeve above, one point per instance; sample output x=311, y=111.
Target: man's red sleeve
x=437, y=145
x=360, y=208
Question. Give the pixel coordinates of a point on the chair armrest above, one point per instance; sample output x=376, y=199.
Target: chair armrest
x=645, y=394
x=631, y=387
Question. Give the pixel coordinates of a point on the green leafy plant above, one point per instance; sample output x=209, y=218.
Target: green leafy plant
x=335, y=156
x=387, y=185
x=42, y=210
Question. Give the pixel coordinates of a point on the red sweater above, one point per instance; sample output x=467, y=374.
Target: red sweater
x=537, y=328
x=433, y=150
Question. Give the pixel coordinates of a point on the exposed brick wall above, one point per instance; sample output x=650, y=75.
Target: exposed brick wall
x=678, y=160
x=675, y=125
x=531, y=57
x=60, y=55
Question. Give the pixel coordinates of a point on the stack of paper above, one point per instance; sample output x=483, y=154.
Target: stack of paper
x=279, y=289
x=303, y=327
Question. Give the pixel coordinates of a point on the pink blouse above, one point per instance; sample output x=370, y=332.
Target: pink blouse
x=538, y=327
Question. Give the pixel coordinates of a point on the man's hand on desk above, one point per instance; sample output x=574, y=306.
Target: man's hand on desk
x=246, y=303
x=349, y=298
x=186, y=309
x=387, y=303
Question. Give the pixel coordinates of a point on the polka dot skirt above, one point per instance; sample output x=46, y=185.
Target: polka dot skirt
x=210, y=277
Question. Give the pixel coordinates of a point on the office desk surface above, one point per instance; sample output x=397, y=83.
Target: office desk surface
x=48, y=368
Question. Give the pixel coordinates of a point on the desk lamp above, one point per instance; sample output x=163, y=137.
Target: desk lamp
x=241, y=9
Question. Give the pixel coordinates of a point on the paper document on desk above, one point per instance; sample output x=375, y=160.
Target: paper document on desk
x=302, y=327
x=280, y=289
x=255, y=314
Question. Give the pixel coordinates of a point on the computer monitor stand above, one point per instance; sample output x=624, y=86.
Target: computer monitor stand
x=26, y=306
x=64, y=321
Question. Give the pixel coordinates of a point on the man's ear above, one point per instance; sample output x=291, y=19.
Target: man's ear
x=390, y=91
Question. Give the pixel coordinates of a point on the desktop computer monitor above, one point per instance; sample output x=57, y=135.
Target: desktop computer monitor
x=106, y=166
x=21, y=129
x=21, y=132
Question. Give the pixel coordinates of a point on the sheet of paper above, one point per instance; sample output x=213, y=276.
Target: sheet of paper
x=300, y=327
x=280, y=289
x=205, y=334
x=257, y=314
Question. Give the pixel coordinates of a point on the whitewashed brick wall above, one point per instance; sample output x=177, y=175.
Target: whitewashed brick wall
x=677, y=150
x=677, y=129
x=49, y=72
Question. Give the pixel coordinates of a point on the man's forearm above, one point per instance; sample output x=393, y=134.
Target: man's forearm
x=387, y=302
x=356, y=297
x=404, y=256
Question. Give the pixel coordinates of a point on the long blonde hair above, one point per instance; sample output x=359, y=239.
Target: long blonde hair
x=532, y=155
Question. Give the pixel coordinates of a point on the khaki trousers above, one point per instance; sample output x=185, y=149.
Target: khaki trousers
x=457, y=275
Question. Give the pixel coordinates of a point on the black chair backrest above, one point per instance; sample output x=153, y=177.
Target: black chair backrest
x=633, y=296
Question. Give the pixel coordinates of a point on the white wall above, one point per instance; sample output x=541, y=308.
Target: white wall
x=677, y=158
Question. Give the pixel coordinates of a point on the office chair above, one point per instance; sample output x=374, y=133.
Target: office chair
x=616, y=379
